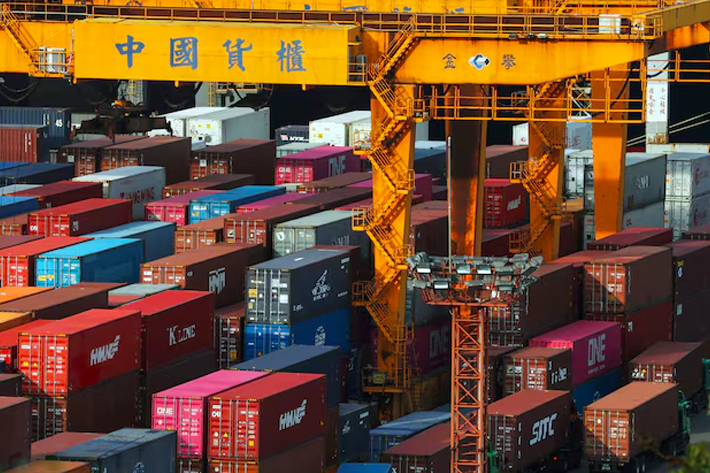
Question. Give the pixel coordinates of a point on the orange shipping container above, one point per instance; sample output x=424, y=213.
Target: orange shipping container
x=15, y=225
x=10, y=320
x=201, y=234
x=12, y=293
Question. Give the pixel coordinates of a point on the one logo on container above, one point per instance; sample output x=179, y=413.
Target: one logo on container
x=217, y=280
x=543, y=429
x=596, y=354
x=293, y=417
x=104, y=353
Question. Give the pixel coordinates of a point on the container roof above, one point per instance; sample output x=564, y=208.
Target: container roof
x=426, y=443
x=575, y=331
x=268, y=386
x=631, y=396
x=129, y=229
x=285, y=358
x=90, y=247
x=665, y=353
x=301, y=258
x=113, y=444
x=523, y=401
x=317, y=220
x=119, y=173
x=211, y=384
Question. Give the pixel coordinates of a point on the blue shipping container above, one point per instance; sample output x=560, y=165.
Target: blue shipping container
x=302, y=359
x=10, y=165
x=225, y=203
x=353, y=432
x=157, y=237
x=332, y=329
x=37, y=173
x=595, y=389
x=11, y=205
x=57, y=121
x=126, y=450
x=393, y=433
x=101, y=260
x=353, y=373
x=365, y=468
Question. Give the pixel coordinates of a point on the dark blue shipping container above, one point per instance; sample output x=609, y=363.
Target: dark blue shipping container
x=594, y=389
x=291, y=134
x=126, y=451
x=57, y=121
x=352, y=364
x=261, y=339
x=302, y=359
x=11, y=205
x=216, y=205
x=354, y=432
x=365, y=468
x=37, y=173
x=157, y=237
x=393, y=433
x=10, y=165
x=100, y=260
x=430, y=161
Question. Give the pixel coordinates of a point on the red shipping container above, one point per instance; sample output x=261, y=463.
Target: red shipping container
x=15, y=225
x=334, y=182
x=85, y=349
x=175, y=325
x=8, y=343
x=257, y=227
x=117, y=300
x=596, y=347
x=218, y=268
x=102, y=407
x=183, y=408
x=229, y=345
x=426, y=452
x=17, y=264
x=495, y=374
x=495, y=243
x=505, y=204
x=538, y=368
x=691, y=260
x=174, y=209
x=63, y=302
x=244, y=156
x=425, y=230
x=208, y=183
x=432, y=345
x=315, y=163
x=500, y=157
x=267, y=416
x=638, y=236
x=86, y=155
x=63, y=193
x=690, y=321
x=23, y=144
x=201, y=234
x=10, y=385
x=15, y=433
x=309, y=457
x=672, y=362
x=80, y=218
x=642, y=328
x=331, y=199
x=169, y=152
x=628, y=279
x=59, y=442
x=8, y=241
x=288, y=198
x=422, y=185
x=579, y=258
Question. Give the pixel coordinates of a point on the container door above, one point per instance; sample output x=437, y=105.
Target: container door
x=229, y=343
x=45, y=272
x=246, y=421
x=29, y=355
x=56, y=360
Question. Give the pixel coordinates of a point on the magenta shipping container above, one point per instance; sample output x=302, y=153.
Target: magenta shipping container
x=316, y=163
x=287, y=198
x=175, y=209
x=184, y=408
x=596, y=347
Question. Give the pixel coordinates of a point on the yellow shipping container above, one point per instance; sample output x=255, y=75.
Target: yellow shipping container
x=10, y=320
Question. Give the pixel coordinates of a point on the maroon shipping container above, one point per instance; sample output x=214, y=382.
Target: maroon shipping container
x=213, y=182
x=701, y=232
x=628, y=279
x=439, y=193
x=276, y=413
x=17, y=264
x=495, y=373
x=427, y=452
x=500, y=157
x=416, y=200
x=8, y=343
x=642, y=328
x=528, y=426
x=63, y=302
x=639, y=236
x=257, y=227
x=334, y=198
x=23, y=144
x=690, y=321
x=218, y=268
x=244, y=156
x=10, y=385
x=8, y=241
x=169, y=152
x=629, y=421
x=425, y=230
x=495, y=243
x=334, y=182
x=102, y=407
x=15, y=225
x=691, y=260
x=63, y=193
x=201, y=234
x=175, y=325
x=579, y=258
x=505, y=204
x=15, y=433
x=80, y=218
x=59, y=442
x=85, y=349
x=547, y=304
x=316, y=163
x=86, y=155
x=538, y=368
x=229, y=330
x=308, y=457
x=672, y=362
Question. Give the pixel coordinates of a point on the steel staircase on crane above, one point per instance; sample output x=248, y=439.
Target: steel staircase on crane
x=20, y=37
x=377, y=221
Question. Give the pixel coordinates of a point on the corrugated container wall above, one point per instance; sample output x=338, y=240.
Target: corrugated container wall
x=217, y=205
x=57, y=120
x=244, y=156
x=393, y=433
x=228, y=125
x=178, y=120
x=213, y=182
x=15, y=435
x=86, y=155
x=353, y=432
x=79, y=218
x=294, y=147
x=174, y=209
x=427, y=452
x=682, y=215
x=11, y=205
x=62, y=193
x=171, y=153
x=154, y=235
x=23, y=143
x=672, y=362
x=314, y=164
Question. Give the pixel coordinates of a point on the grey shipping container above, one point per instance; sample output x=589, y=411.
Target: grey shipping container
x=295, y=147
x=681, y=215
x=354, y=432
x=332, y=227
x=37, y=173
x=687, y=175
x=323, y=360
x=126, y=450
x=57, y=121
x=298, y=286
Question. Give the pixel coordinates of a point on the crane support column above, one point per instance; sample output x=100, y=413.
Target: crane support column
x=609, y=146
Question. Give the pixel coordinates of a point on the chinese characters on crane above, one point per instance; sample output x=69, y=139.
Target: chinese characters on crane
x=183, y=52
x=129, y=48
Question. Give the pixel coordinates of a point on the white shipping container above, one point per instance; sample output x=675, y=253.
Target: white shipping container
x=12, y=188
x=579, y=135
x=230, y=124
x=429, y=144
x=687, y=175
x=650, y=216
x=295, y=147
x=682, y=215
x=178, y=120
x=350, y=129
x=679, y=148
x=141, y=184
x=575, y=165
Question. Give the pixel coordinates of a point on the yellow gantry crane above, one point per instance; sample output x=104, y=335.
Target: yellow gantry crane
x=463, y=61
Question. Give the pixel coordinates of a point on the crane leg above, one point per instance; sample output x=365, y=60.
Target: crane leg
x=609, y=144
